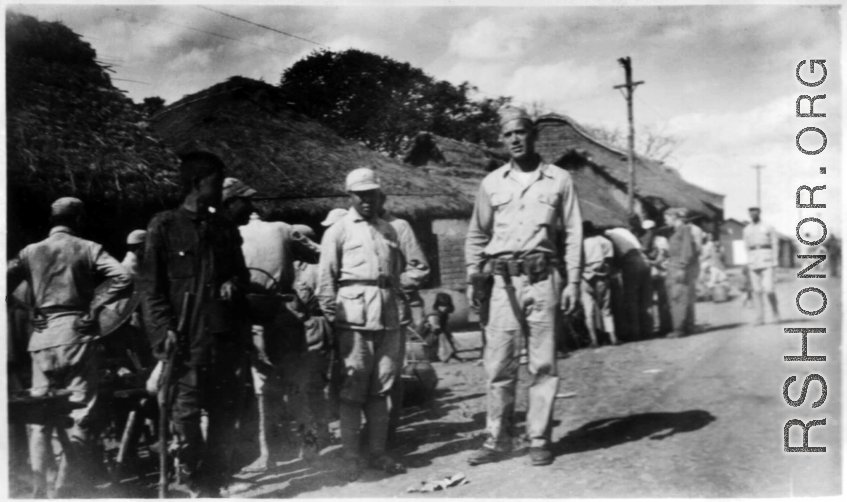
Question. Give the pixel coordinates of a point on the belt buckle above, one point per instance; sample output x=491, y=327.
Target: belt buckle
x=382, y=282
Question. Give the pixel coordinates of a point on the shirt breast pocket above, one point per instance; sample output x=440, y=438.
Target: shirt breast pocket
x=547, y=203
x=500, y=199
x=181, y=264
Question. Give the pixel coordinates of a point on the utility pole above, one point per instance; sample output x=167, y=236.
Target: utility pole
x=758, y=168
x=630, y=88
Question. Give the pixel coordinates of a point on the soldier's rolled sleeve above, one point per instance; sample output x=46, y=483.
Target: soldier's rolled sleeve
x=572, y=221
x=479, y=232
x=156, y=286
x=328, y=270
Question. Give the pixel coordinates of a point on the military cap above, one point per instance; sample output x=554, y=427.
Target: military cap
x=234, y=187
x=361, y=180
x=136, y=237
x=509, y=113
x=333, y=216
x=67, y=206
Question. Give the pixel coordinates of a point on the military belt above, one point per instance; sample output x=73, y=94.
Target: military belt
x=383, y=282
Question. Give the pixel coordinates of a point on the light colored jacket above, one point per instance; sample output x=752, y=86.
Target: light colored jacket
x=354, y=249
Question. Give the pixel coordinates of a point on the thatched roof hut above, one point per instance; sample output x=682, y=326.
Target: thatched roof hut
x=658, y=185
x=72, y=133
x=466, y=164
x=297, y=165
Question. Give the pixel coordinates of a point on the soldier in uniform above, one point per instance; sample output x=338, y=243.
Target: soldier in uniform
x=62, y=272
x=358, y=283
x=762, y=245
x=682, y=269
x=193, y=252
x=526, y=223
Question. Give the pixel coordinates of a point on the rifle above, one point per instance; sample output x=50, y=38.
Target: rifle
x=164, y=395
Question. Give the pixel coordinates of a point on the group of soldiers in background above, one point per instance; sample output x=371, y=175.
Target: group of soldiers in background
x=228, y=298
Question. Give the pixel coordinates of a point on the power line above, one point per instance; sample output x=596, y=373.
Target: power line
x=206, y=32
x=136, y=81
x=263, y=26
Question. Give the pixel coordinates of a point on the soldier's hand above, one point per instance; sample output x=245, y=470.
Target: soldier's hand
x=85, y=324
x=170, y=343
x=39, y=322
x=570, y=297
x=229, y=290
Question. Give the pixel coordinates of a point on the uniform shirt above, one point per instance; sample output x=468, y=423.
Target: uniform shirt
x=416, y=267
x=63, y=271
x=597, y=249
x=187, y=253
x=270, y=249
x=682, y=253
x=762, y=244
x=355, y=249
x=623, y=241
x=514, y=219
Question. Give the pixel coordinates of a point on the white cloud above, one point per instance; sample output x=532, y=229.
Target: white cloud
x=490, y=39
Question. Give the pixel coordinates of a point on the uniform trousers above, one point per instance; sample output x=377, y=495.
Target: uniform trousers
x=597, y=298
x=637, y=295
x=683, y=293
x=74, y=368
x=214, y=388
x=503, y=344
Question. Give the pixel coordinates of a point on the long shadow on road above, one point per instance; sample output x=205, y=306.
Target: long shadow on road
x=615, y=431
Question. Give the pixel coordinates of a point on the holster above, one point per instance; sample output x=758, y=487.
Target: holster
x=482, y=284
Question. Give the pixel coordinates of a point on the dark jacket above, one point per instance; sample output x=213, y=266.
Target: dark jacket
x=186, y=253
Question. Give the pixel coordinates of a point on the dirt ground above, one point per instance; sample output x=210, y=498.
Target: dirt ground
x=692, y=417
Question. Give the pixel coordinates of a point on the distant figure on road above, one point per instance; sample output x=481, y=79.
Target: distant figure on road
x=762, y=244
x=683, y=270
x=657, y=256
x=596, y=290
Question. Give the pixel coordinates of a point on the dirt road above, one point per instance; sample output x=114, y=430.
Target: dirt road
x=697, y=416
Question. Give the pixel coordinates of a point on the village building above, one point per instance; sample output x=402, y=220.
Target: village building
x=298, y=166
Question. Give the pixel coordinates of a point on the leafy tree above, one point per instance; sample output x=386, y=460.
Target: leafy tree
x=383, y=103
x=151, y=106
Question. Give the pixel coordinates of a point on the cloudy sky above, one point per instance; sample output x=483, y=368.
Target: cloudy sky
x=720, y=78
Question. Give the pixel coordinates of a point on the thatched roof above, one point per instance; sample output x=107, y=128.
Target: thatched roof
x=466, y=165
x=297, y=165
x=434, y=150
x=655, y=183
x=71, y=132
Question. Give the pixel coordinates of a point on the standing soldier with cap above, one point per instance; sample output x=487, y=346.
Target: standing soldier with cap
x=525, y=225
x=359, y=279
x=63, y=271
x=280, y=364
x=762, y=245
x=194, y=253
